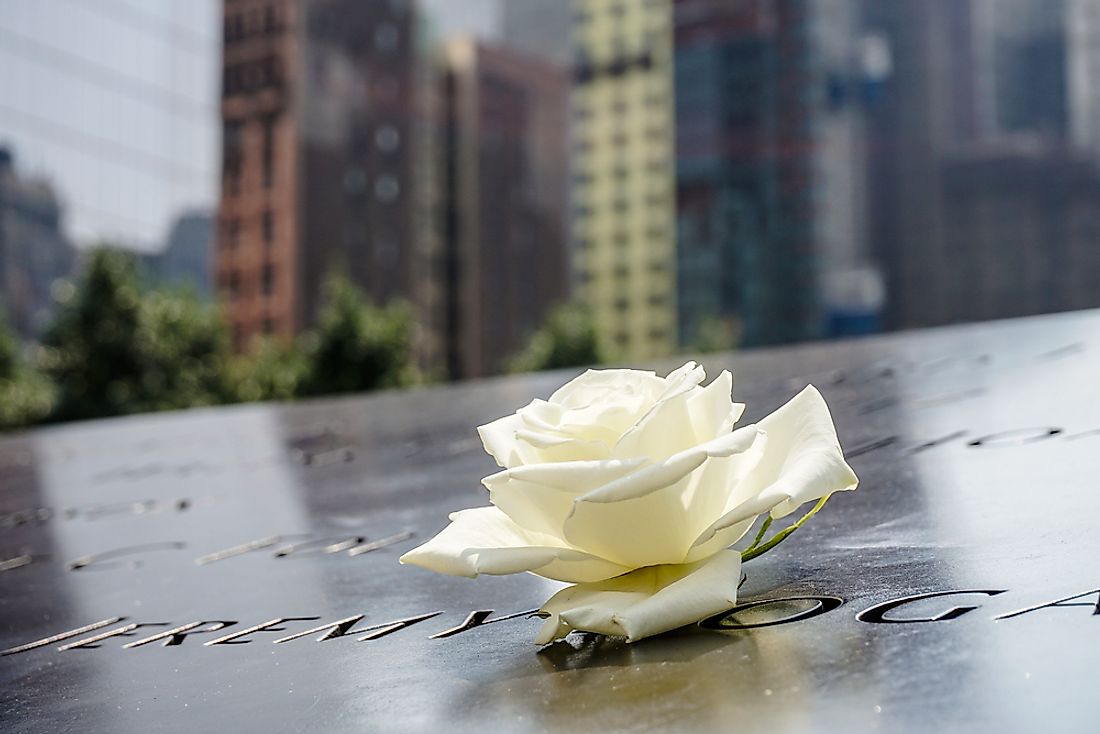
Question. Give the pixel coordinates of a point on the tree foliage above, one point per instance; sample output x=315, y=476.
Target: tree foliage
x=357, y=346
x=113, y=350
x=273, y=371
x=25, y=396
x=567, y=339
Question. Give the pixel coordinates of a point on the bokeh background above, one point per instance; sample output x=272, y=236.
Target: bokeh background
x=207, y=202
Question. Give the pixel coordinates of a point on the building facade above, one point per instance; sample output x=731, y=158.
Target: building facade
x=185, y=260
x=1024, y=231
x=34, y=252
x=317, y=108
x=624, y=199
x=503, y=178
x=770, y=168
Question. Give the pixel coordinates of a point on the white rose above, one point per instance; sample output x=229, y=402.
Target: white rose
x=632, y=487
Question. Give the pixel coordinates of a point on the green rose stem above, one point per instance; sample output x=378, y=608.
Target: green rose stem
x=756, y=549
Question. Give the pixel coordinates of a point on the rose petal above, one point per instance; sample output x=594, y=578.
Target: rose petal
x=802, y=461
x=650, y=516
x=685, y=416
x=713, y=412
x=547, y=448
x=499, y=439
x=539, y=497
x=594, y=385
x=647, y=601
x=485, y=540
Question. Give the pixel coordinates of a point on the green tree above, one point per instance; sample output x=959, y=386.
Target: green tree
x=274, y=371
x=113, y=350
x=183, y=351
x=357, y=346
x=567, y=339
x=9, y=351
x=26, y=397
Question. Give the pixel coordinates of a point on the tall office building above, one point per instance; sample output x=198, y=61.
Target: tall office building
x=623, y=177
x=937, y=97
x=1082, y=19
x=1024, y=231
x=34, y=252
x=770, y=164
x=317, y=104
x=185, y=260
x=504, y=169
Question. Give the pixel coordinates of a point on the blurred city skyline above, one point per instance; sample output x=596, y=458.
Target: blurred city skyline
x=115, y=104
x=695, y=174
x=150, y=74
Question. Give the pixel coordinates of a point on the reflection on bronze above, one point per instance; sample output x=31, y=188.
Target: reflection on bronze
x=723, y=621
x=950, y=398
x=61, y=636
x=877, y=613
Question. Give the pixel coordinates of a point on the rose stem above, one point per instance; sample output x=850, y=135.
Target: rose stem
x=753, y=551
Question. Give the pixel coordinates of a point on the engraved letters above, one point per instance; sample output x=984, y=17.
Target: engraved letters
x=877, y=613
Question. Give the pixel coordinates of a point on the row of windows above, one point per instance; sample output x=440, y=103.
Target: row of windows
x=258, y=21
x=247, y=77
x=654, y=299
x=621, y=171
x=587, y=71
x=231, y=230
x=619, y=138
x=655, y=200
x=233, y=283
x=621, y=106
x=587, y=275
x=233, y=152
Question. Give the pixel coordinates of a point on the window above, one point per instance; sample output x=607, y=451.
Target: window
x=268, y=226
x=268, y=151
x=269, y=124
x=387, y=188
x=387, y=138
x=268, y=279
x=231, y=233
x=232, y=144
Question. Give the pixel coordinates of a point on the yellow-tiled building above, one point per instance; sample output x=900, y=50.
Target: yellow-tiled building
x=623, y=173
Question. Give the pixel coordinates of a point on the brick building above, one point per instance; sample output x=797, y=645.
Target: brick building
x=318, y=109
